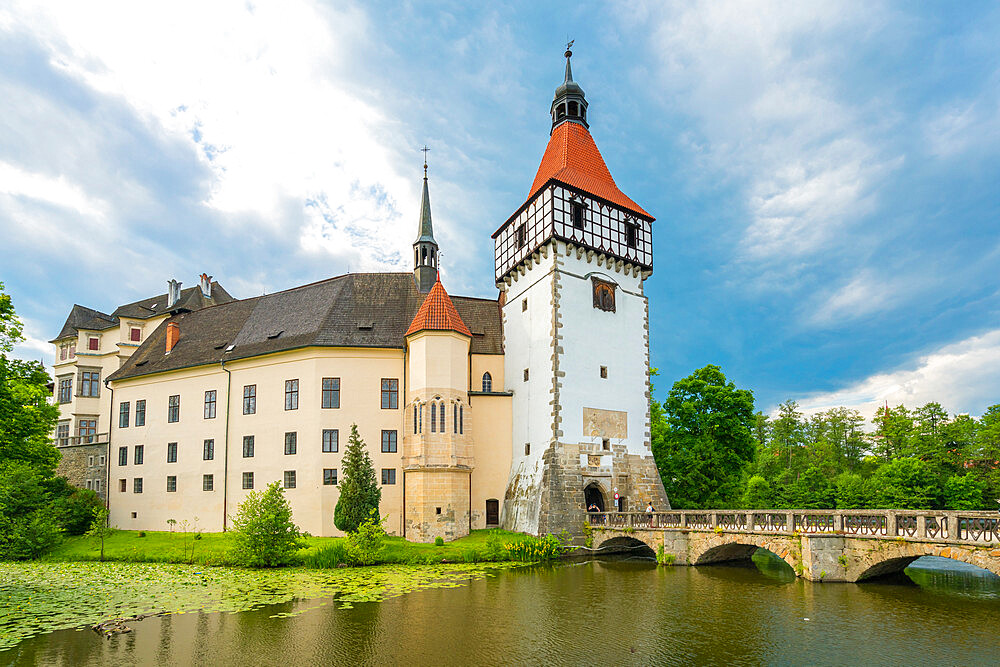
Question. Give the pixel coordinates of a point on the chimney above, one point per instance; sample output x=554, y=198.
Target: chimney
x=173, y=293
x=206, y=285
x=173, y=335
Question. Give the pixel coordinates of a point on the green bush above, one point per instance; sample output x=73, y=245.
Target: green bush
x=367, y=543
x=264, y=533
x=439, y=541
x=142, y=533
x=28, y=525
x=72, y=508
x=332, y=555
x=495, y=548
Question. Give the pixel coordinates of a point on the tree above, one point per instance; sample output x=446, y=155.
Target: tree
x=359, y=491
x=963, y=492
x=72, y=507
x=265, y=535
x=708, y=442
x=758, y=495
x=100, y=527
x=27, y=525
x=906, y=483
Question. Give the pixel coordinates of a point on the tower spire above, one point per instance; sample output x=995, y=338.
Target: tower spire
x=569, y=102
x=425, y=248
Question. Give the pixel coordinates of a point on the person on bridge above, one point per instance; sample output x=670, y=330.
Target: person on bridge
x=649, y=508
x=593, y=508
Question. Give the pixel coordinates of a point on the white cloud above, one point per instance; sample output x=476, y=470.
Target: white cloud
x=265, y=95
x=864, y=294
x=18, y=182
x=961, y=376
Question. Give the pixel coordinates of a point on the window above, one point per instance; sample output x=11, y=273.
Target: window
x=135, y=515
x=454, y=418
x=62, y=352
x=330, y=440
x=171, y=483
x=524, y=305
x=461, y=420
x=604, y=372
x=291, y=442
x=66, y=390
x=90, y=460
x=140, y=413
x=93, y=343
x=291, y=394
x=437, y=510
x=525, y=374
x=135, y=334
x=97, y=485
x=138, y=455
x=433, y=417
x=329, y=476
x=389, y=441
x=137, y=485
x=90, y=485
x=87, y=430
x=289, y=479
x=248, y=480
x=388, y=475
x=331, y=392
x=207, y=483
x=123, y=409
x=420, y=418
x=122, y=485
x=248, y=447
x=250, y=399
x=606, y=444
x=390, y=393
x=520, y=236
x=415, y=418
x=208, y=450
x=171, y=452
x=122, y=456
x=90, y=383
x=487, y=382
x=174, y=408
x=629, y=235
x=527, y=448
x=62, y=434
x=210, y=397
x=72, y=350
x=102, y=460
x=576, y=212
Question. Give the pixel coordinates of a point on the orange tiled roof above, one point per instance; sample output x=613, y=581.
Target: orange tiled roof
x=437, y=313
x=572, y=157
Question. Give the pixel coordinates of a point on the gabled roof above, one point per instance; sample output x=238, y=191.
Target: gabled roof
x=190, y=299
x=81, y=317
x=437, y=313
x=572, y=158
x=353, y=310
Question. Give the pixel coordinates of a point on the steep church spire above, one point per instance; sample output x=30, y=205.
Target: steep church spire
x=569, y=104
x=425, y=248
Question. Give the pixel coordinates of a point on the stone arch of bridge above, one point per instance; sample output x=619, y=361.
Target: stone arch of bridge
x=724, y=547
x=885, y=561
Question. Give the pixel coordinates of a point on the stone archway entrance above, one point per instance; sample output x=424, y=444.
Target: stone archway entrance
x=593, y=496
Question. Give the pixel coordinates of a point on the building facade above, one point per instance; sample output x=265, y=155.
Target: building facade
x=521, y=411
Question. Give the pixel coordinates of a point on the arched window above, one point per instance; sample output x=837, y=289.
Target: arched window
x=487, y=381
x=461, y=420
x=415, y=418
x=561, y=112
x=420, y=419
x=433, y=417
x=572, y=108
x=454, y=418
x=441, y=424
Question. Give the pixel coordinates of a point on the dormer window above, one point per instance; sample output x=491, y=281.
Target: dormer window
x=93, y=343
x=135, y=334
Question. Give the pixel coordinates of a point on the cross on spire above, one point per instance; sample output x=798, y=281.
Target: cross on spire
x=424, y=150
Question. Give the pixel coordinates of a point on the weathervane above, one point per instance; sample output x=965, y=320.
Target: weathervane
x=569, y=45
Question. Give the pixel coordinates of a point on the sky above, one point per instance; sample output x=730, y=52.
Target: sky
x=825, y=176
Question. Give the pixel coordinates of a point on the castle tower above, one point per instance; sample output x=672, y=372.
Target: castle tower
x=437, y=442
x=425, y=248
x=571, y=262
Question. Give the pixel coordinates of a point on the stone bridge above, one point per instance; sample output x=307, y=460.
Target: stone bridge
x=820, y=545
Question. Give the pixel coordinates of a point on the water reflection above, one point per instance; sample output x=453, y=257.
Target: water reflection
x=609, y=611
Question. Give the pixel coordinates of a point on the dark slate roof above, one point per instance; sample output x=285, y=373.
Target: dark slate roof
x=190, y=299
x=354, y=310
x=81, y=317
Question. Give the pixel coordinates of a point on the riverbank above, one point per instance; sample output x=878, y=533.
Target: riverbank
x=213, y=549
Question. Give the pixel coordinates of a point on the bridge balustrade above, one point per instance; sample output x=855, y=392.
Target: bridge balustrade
x=935, y=525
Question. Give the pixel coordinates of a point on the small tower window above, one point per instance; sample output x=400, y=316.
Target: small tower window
x=573, y=109
x=525, y=374
x=441, y=423
x=604, y=371
x=454, y=418
x=433, y=417
x=487, y=382
x=560, y=112
x=527, y=448
x=414, y=418
x=520, y=236
x=606, y=445
x=576, y=212
x=630, y=235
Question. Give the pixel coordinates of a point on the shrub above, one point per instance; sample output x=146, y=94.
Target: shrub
x=265, y=535
x=73, y=508
x=28, y=527
x=439, y=541
x=359, y=491
x=100, y=528
x=366, y=544
x=142, y=533
x=331, y=555
x=495, y=549
x=535, y=549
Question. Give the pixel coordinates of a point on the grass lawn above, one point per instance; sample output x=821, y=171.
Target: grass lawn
x=213, y=548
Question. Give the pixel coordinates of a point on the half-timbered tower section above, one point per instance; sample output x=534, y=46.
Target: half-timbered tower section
x=571, y=262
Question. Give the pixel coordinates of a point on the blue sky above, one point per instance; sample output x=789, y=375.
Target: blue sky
x=824, y=175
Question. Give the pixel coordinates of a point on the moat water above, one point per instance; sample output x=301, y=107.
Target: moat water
x=614, y=612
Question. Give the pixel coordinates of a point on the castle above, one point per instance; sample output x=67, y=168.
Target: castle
x=518, y=412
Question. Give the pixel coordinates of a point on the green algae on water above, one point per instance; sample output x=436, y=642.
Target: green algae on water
x=36, y=598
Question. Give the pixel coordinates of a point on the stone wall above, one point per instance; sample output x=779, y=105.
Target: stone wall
x=82, y=463
x=437, y=504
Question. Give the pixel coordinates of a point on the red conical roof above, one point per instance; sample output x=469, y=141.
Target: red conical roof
x=437, y=313
x=572, y=158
